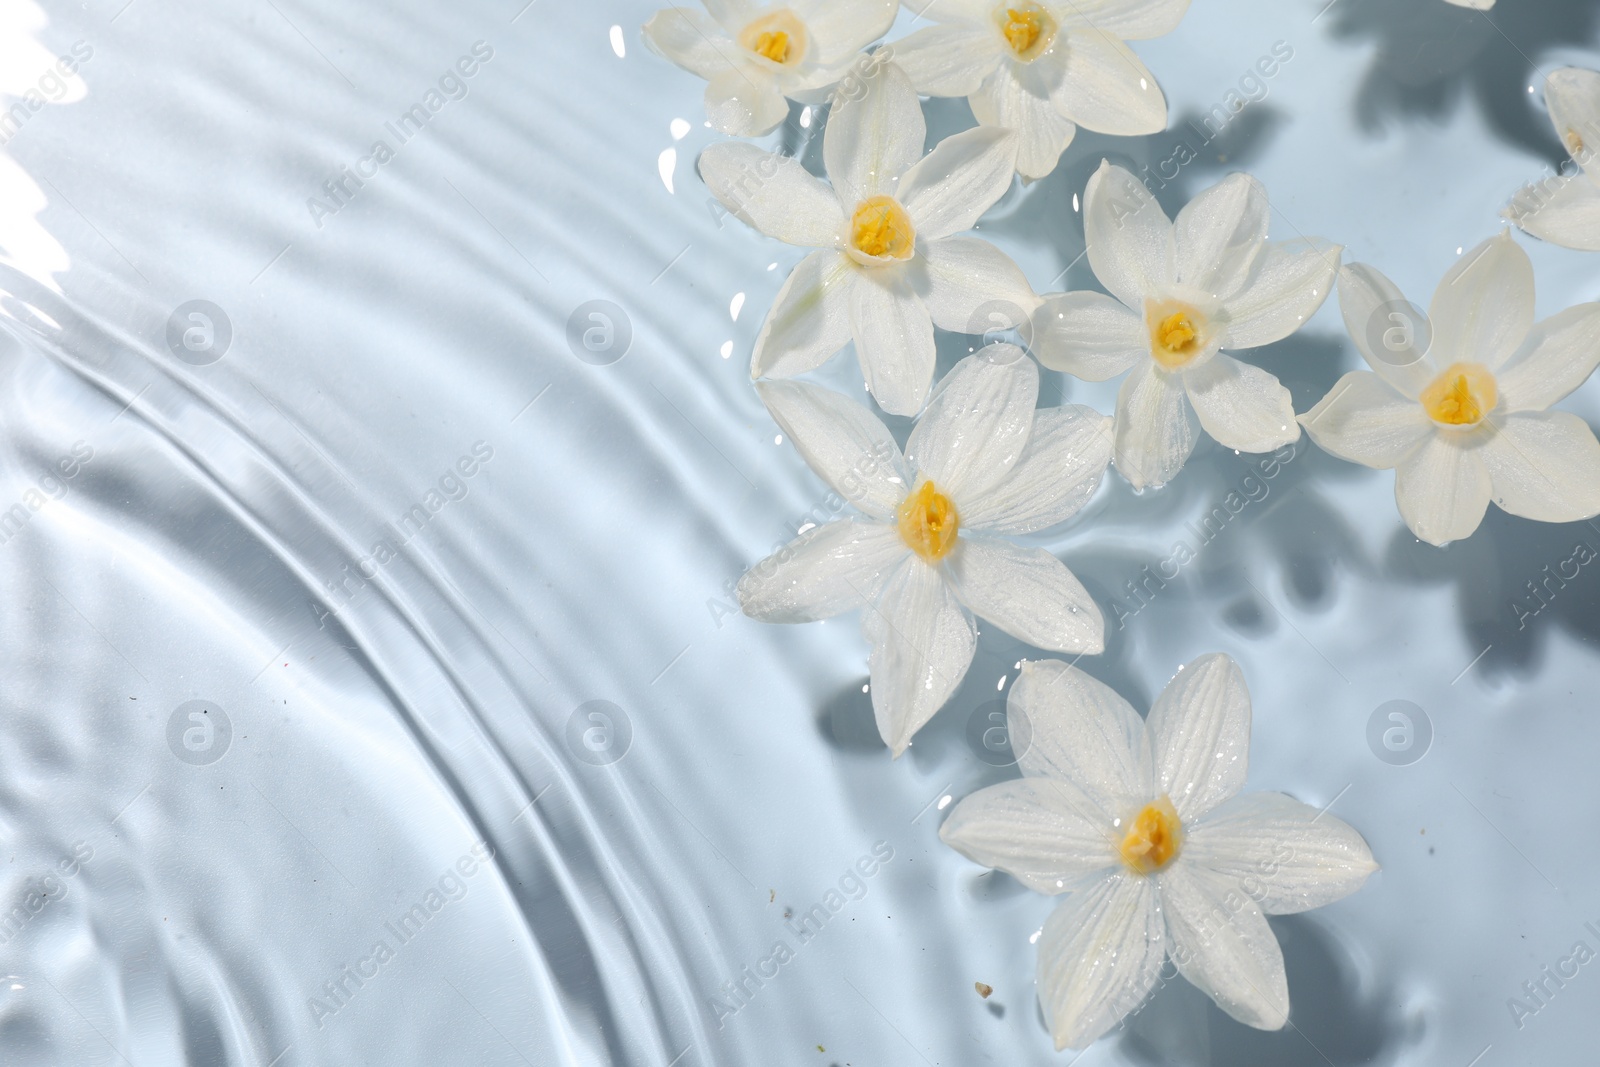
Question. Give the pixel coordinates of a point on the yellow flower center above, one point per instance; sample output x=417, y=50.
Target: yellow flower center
x=1028, y=29
x=774, y=44
x=777, y=36
x=1176, y=333
x=1461, y=396
x=928, y=523
x=881, y=229
x=1154, y=838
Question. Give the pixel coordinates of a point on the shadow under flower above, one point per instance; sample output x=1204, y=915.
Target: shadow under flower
x=1431, y=54
x=1335, y=1017
x=1515, y=581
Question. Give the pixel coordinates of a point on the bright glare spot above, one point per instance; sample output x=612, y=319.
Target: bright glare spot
x=1458, y=251
x=666, y=164
x=778, y=440
x=1074, y=201
x=727, y=349
x=1143, y=84
x=617, y=44
x=863, y=689
x=806, y=527
x=1033, y=938
x=805, y=118
x=944, y=801
x=1002, y=683
x=736, y=306
x=680, y=129
x=772, y=266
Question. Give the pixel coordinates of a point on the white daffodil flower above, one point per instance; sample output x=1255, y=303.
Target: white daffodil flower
x=1463, y=421
x=753, y=56
x=1044, y=69
x=929, y=553
x=1139, y=825
x=887, y=270
x=1182, y=292
x=1564, y=209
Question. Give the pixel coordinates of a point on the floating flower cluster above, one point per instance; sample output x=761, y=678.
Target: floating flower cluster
x=1137, y=823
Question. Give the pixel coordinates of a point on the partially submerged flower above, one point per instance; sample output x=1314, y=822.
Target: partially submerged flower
x=888, y=270
x=1138, y=825
x=1463, y=421
x=930, y=551
x=1564, y=209
x=1182, y=293
x=753, y=57
x=1044, y=68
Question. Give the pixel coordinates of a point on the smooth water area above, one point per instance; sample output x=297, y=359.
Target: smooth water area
x=375, y=692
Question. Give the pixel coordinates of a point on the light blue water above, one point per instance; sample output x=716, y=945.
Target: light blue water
x=401, y=713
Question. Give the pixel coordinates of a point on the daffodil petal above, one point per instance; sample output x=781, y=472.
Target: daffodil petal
x=1286, y=856
x=874, y=134
x=690, y=39
x=970, y=286
x=733, y=15
x=1443, y=489
x=1384, y=329
x=1129, y=239
x=1106, y=88
x=1099, y=956
x=1155, y=427
x=1241, y=406
x=828, y=569
x=951, y=59
x=773, y=193
x=843, y=442
x=972, y=12
x=1058, y=471
x=1132, y=20
x=922, y=644
x=1082, y=732
x=1572, y=96
x=1222, y=944
x=894, y=339
x=1014, y=101
x=947, y=190
x=1564, y=210
x=1544, y=465
x=1220, y=234
x=1089, y=335
x=1029, y=594
x=1483, y=309
x=742, y=102
x=840, y=30
x=809, y=319
x=1364, y=419
x=977, y=423
x=1291, y=281
x=1200, y=735
x=1560, y=355
x=1044, y=833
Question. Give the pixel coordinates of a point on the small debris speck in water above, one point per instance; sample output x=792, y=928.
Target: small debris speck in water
x=772, y=894
x=983, y=990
